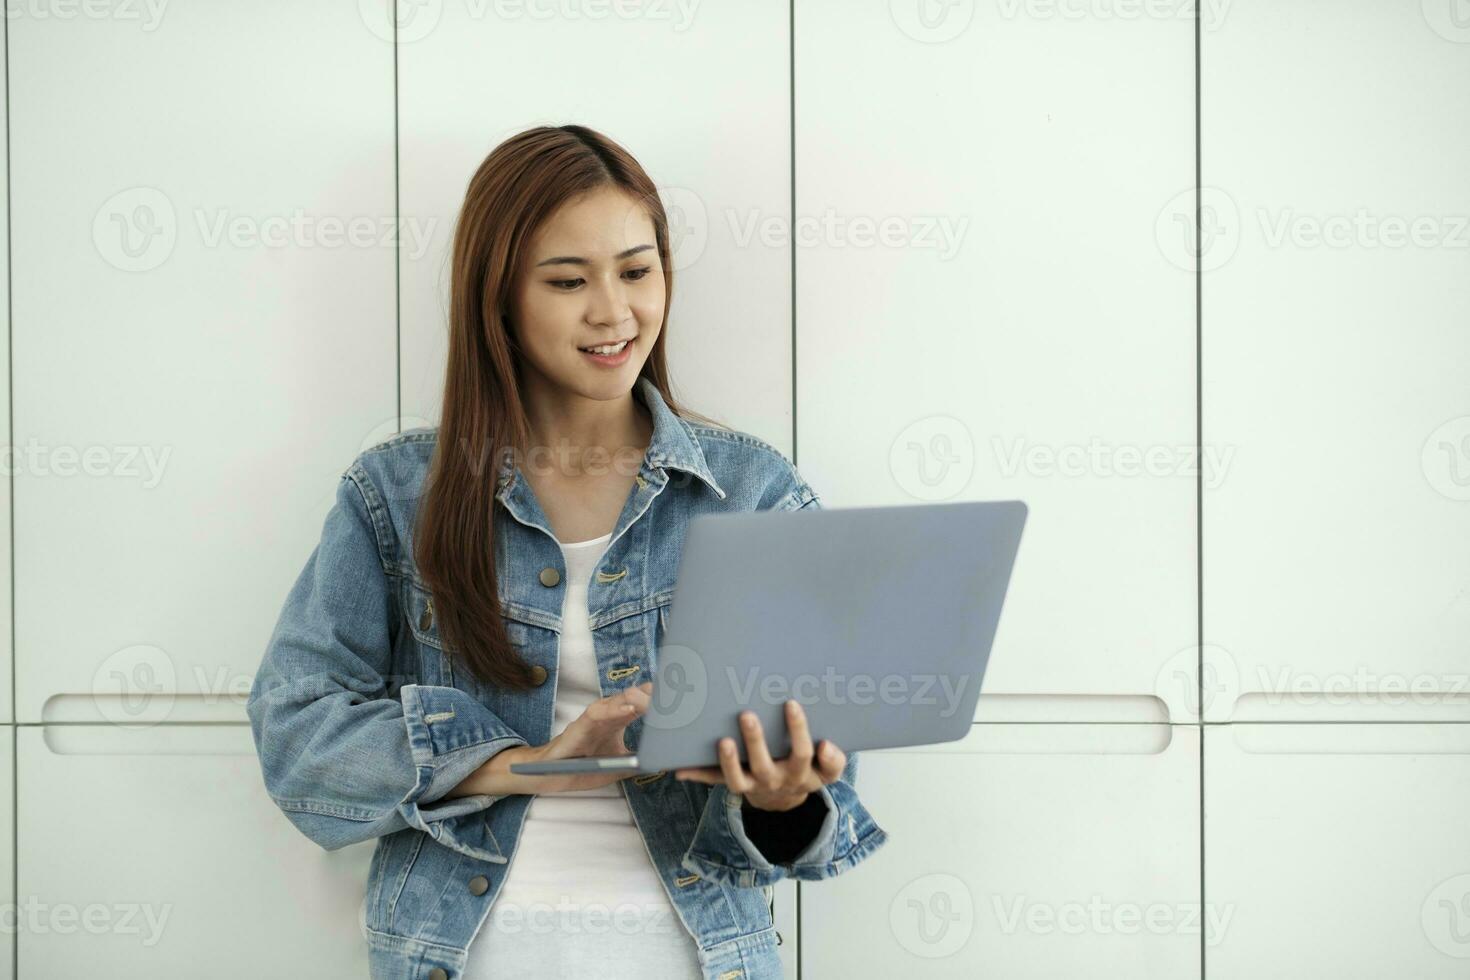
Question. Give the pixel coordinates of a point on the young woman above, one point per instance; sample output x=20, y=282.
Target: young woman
x=457, y=617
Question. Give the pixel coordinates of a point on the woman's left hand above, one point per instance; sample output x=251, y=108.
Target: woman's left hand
x=768, y=784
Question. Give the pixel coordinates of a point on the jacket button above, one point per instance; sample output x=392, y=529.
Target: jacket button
x=550, y=576
x=538, y=674
x=479, y=885
x=438, y=974
x=426, y=620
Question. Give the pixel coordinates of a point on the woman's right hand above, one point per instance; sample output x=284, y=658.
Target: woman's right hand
x=598, y=731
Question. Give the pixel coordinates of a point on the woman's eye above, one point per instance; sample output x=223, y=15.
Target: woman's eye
x=574, y=283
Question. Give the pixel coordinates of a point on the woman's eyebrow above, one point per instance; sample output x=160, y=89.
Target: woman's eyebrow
x=576, y=260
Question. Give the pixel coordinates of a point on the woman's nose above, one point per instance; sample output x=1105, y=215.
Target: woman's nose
x=609, y=306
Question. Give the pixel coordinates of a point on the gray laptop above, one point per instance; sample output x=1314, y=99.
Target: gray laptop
x=879, y=620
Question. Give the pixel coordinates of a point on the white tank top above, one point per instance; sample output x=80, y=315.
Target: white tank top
x=581, y=898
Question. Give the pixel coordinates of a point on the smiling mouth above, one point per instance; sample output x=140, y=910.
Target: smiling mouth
x=616, y=348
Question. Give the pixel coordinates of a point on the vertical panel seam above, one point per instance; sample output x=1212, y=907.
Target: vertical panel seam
x=1199, y=497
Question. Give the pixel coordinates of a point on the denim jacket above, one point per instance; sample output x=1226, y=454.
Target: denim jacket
x=363, y=721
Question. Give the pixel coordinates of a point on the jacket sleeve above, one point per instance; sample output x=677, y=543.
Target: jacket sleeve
x=342, y=757
x=724, y=850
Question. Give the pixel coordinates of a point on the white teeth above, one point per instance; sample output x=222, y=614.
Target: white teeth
x=613, y=349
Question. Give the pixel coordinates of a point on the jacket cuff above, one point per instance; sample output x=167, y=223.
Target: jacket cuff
x=723, y=851
x=781, y=835
x=450, y=735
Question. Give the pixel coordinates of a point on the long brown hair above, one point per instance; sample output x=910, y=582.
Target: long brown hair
x=483, y=419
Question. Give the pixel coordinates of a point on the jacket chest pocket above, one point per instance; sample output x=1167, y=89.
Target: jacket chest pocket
x=440, y=666
x=636, y=638
x=435, y=665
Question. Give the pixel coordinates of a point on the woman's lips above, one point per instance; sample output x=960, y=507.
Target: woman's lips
x=609, y=360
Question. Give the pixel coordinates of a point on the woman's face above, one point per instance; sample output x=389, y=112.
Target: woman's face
x=591, y=277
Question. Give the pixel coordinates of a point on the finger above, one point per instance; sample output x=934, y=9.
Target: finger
x=735, y=776
x=610, y=710
x=636, y=696
x=622, y=706
x=801, y=738
x=831, y=760
x=758, y=756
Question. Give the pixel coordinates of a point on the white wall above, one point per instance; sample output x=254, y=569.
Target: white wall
x=972, y=276
x=192, y=385
x=1335, y=361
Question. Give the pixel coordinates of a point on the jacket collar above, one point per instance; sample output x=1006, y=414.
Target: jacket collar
x=674, y=444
